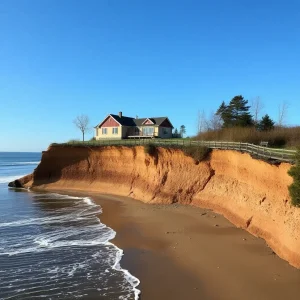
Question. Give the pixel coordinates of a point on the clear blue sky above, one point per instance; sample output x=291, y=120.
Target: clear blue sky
x=62, y=58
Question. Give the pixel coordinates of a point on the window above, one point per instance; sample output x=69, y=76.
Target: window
x=148, y=131
x=115, y=130
x=165, y=131
x=104, y=130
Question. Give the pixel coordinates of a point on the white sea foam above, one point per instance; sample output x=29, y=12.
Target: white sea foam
x=134, y=281
x=88, y=201
x=35, y=221
x=7, y=179
x=69, y=236
x=56, y=196
x=18, y=163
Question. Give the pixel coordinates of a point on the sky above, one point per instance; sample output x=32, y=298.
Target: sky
x=146, y=58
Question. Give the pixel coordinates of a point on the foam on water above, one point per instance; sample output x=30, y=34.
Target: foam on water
x=7, y=179
x=134, y=281
x=88, y=201
x=18, y=163
x=62, y=232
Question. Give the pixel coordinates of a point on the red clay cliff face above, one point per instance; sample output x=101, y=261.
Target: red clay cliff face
x=250, y=193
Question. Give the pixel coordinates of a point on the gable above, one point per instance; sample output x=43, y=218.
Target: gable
x=148, y=122
x=109, y=122
x=166, y=123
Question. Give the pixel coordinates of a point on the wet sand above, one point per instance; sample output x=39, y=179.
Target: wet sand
x=184, y=252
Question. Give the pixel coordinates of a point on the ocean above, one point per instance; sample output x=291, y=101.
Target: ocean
x=54, y=246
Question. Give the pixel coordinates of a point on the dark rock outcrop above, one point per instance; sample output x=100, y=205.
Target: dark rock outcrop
x=15, y=184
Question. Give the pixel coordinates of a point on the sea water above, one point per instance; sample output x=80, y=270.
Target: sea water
x=54, y=246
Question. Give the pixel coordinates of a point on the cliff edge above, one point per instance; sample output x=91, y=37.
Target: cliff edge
x=251, y=193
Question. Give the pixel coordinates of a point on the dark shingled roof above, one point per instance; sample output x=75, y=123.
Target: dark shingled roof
x=127, y=121
x=156, y=121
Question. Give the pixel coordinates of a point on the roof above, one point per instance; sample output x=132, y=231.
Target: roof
x=125, y=121
x=128, y=121
x=156, y=121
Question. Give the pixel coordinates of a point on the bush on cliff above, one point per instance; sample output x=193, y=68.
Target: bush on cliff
x=150, y=149
x=294, y=188
x=198, y=153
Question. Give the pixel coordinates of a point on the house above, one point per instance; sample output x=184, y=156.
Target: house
x=121, y=127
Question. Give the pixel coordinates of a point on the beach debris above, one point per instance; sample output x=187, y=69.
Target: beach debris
x=244, y=239
x=203, y=214
x=216, y=225
x=214, y=217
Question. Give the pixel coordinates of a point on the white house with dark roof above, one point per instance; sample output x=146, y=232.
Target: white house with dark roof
x=121, y=127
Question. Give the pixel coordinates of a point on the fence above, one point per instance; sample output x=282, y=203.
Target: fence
x=259, y=151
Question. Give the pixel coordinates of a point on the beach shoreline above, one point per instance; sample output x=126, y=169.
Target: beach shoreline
x=185, y=252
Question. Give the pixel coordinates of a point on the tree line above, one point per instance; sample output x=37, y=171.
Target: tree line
x=238, y=113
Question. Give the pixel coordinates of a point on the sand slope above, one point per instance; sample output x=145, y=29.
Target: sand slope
x=250, y=193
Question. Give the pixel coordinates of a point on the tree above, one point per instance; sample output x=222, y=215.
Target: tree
x=224, y=113
x=256, y=107
x=265, y=124
x=201, y=122
x=239, y=110
x=182, y=130
x=215, y=122
x=82, y=123
x=176, y=134
x=236, y=113
x=282, y=112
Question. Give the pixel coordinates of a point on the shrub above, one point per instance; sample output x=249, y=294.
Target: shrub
x=294, y=188
x=198, y=153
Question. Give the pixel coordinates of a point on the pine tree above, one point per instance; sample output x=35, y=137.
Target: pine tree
x=239, y=110
x=225, y=114
x=266, y=123
x=176, y=133
x=236, y=113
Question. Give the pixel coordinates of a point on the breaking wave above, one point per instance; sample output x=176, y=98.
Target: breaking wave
x=65, y=249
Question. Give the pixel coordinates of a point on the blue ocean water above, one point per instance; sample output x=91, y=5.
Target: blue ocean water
x=54, y=246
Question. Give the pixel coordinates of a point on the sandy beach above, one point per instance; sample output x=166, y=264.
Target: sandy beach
x=184, y=252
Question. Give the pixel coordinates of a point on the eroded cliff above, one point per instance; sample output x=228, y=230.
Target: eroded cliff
x=252, y=194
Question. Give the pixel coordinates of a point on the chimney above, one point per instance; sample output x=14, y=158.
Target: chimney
x=120, y=114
